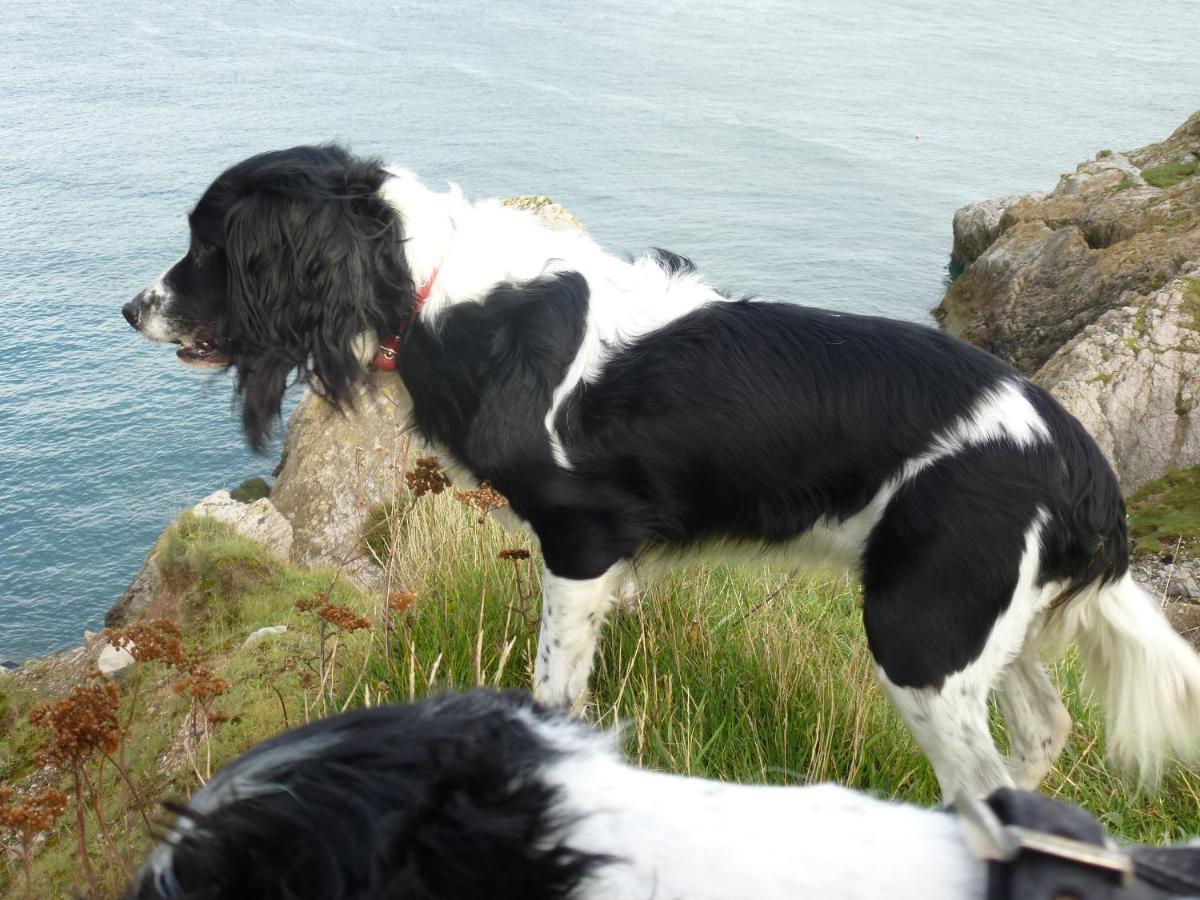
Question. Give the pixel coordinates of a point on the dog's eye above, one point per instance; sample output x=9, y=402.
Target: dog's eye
x=203, y=248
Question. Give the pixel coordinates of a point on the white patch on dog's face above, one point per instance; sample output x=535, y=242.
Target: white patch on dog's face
x=154, y=321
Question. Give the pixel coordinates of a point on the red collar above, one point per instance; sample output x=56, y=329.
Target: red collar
x=389, y=347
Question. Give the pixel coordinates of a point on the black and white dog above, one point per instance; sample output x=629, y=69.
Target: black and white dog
x=487, y=796
x=631, y=413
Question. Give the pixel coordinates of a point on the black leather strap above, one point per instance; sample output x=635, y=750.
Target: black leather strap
x=1043, y=874
x=1175, y=870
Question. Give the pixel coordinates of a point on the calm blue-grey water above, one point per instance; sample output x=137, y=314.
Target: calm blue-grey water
x=774, y=142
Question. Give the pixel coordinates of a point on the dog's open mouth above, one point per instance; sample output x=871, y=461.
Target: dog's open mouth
x=201, y=353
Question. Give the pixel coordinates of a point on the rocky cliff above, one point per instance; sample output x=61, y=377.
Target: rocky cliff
x=1094, y=290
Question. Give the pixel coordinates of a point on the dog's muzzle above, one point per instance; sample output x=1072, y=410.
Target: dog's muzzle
x=136, y=309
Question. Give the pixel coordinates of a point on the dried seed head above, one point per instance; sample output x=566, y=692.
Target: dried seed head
x=427, y=477
x=402, y=601
x=32, y=814
x=79, y=725
x=149, y=640
x=202, y=684
x=342, y=617
x=484, y=498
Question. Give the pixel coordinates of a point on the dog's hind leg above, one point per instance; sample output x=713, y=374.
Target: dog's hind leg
x=1038, y=722
x=573, y=612
x=951, y=593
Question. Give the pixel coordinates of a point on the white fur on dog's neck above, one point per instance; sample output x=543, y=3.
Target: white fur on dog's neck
x=676, y=837
x=472, y=246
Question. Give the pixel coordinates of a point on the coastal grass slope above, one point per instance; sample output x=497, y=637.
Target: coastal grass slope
x=756, y=675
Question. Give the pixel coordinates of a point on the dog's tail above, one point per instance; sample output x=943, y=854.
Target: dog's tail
x=1145, y=674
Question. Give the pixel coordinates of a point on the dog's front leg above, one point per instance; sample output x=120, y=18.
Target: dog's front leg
x=573, y=612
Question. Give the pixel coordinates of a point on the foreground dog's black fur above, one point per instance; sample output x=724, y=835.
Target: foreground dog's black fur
x=631, y=413
x=433, y=800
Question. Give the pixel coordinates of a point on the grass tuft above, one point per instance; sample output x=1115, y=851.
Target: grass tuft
x=1191, y=301
x=1170, y=174
x=1164, y=515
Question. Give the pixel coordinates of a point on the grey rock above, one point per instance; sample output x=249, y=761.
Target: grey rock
x=1100, y=174
x=114, y=659
x=1054, y=263
x=1086, y=289
x=337, y=467
x=1183, y=144
x=1186, y=586
x=259, y=521
x=1133, y=379
x=137, y=598
x=976, y=227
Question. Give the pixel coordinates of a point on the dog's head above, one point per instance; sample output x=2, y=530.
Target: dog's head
x=294, y=259
x=440, y=799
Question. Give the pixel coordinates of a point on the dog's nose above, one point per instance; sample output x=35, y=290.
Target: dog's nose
x=132, y=311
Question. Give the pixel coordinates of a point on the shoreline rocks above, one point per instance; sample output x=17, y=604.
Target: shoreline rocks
x=1093, y=290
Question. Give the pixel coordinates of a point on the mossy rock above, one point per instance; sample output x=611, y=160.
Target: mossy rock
x=1164, y=515
x=250, y=490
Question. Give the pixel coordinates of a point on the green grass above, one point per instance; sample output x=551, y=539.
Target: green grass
x=1191, y=301
x=1164, y=515
x=1170, y=174
x=753, y=675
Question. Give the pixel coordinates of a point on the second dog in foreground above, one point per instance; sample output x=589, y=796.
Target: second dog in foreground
x=632, y=414
x=487, y=796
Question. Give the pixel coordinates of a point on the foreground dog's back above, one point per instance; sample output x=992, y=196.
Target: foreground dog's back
x=630, y=412
x=486, y=796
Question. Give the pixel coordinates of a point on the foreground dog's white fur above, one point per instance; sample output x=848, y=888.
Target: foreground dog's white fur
x=632, y=414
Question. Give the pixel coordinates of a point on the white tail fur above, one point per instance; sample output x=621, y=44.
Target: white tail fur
x=1146, y=675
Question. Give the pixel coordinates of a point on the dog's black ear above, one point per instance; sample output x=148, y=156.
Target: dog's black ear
x=315, y=261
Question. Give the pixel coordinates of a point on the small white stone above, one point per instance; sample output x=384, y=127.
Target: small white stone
x=113, y=659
